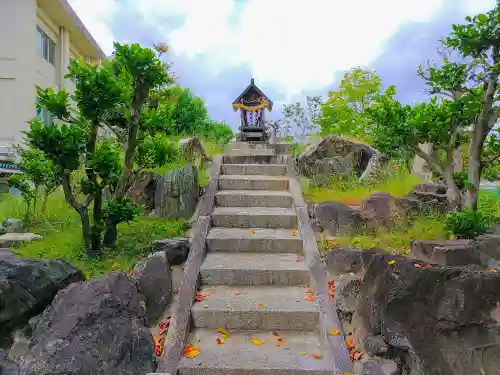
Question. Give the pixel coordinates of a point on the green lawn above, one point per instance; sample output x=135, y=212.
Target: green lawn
x=60, y=228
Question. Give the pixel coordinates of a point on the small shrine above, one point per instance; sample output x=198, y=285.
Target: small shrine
x=252, y=104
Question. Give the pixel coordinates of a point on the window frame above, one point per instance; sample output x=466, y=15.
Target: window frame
x=46, y=47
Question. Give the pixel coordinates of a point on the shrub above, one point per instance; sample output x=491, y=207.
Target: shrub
x=468, y=223
x=156, y=152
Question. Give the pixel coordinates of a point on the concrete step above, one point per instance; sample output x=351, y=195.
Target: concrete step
x=248, y=159
x=230, y=268
x=240, y=356
x=254, y=240
x=255, y=169
x=252, y=182
x=253, y=198
x=250, y=152
x=254, y=217
x=277, y=308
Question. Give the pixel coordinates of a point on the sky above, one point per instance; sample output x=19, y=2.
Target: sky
x=292, y=48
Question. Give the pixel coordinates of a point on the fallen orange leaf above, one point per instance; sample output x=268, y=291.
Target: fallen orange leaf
x=223, y=332
x=349, y=343
x=281, y=341
x=334, y=332
x=175, y=291
x=192, y=353
x=237, y=293
x=294, y=234
x=220, y=341
x=356, y=355
x=200, y=296
x=252, y=232
x=298, y=259
x=276, y=334
x=494, y=270
x=317, y=356
x=188, y=348
x=257, y=341
x=164, y=326
x=260, y=306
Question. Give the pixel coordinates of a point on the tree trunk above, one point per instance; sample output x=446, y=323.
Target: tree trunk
x=44, y=201
x=97, y=221
x=110, y=235
x=452, y=193
x=86, y=232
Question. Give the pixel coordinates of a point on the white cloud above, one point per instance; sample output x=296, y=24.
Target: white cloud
x=295, y=44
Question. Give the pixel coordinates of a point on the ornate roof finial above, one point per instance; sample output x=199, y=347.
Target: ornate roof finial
x=252, y=81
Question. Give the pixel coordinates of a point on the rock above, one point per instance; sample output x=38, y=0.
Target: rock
x=16, y=239
x=337, y=218
x=176, y=249
x=488, y=244
x=423, y=250
x=375, y=165
x=375, y=345
x=439, y=320
x=378, y=366
x=142, y=189
x=461, y=255
x=334, y=165
x=7, y=367
x=14, y=225
x=381, y=209
x=192, y=150
x=27, y=286
x=93, y=327
x=347, y=292
x=425, y=199
x=340, y=260
x=154, y=278
x=353, y=156
x=430, y=187
x=3, y=230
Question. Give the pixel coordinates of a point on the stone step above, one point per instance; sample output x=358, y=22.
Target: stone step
x=230, y=268
x=250, y=152
x=277, y=308
x=253, y=198
x=252, y=182
x=254, y=240
x=240, y=356
x=254, y=217
x=248, y=159
x=254, y=169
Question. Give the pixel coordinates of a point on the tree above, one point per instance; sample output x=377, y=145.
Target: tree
x=300, y=119
x=278, y=126
x=344, y=111
x=115, y=95
x=189, y=111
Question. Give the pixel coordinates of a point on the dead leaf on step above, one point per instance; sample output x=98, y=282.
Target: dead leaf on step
x=494, y=270
x=281, y=341
x=303, y=353
x=191, y=351
x=257, y=341
x=349, y=343
x=316, y=355
x=252, y=232
x=355, y=355
x=220, y=340
x=277, y=334
x=223, y=332
x=392, y=261
x=200, y=296
x=334, y=332
x=298, y=259
x=294, y=234
x=310, y=296
x=260, y=306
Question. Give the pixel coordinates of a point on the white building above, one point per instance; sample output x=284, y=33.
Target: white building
x=37, y=40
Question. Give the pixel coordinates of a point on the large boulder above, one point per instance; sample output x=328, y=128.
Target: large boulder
x=154, y=278
x=175, y=249
x=439, y=320
x=426, y=198
x=94, y=327
x=142, y=188
x=192, y=150
x=350, y=157
x=337, y=218
x=381, y=209
x=27, y=286
x=340, y=260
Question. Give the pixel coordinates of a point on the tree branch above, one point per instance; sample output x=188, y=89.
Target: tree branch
x=429, y=159
x=70, y=197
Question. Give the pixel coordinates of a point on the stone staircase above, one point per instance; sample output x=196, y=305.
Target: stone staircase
x=255, y=278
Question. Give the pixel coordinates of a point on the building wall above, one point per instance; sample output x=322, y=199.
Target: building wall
x=22, y=67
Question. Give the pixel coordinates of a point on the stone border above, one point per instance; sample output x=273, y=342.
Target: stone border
x=179, y=330
x=328, y=317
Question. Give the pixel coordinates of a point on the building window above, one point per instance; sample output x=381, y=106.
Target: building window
x=46, y=46
x=44, y=116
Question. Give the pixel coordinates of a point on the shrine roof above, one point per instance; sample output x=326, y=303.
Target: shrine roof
x=252, y=87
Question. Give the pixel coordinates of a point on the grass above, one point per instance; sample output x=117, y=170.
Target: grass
x=60, y=228
x=399, y=183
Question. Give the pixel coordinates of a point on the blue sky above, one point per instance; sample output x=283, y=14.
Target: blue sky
x=292, y=48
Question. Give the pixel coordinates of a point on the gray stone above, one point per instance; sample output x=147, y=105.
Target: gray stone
x=378, y=366
x=7, y=367
x=439, y=320
x=27, y=286
x=14, y=225
x=337, y=218
x=192, y=150
x=340, y=260
x=3, y=230
x=16, y=239
x=381, y=209
x=176, y=249
x=376, y=345
x=142, y=188
x=154, y=277
x=430, y=187
x=459, y=255
x=347, y=292
x=93, y=327
x=423, y=249
x=352, y=155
